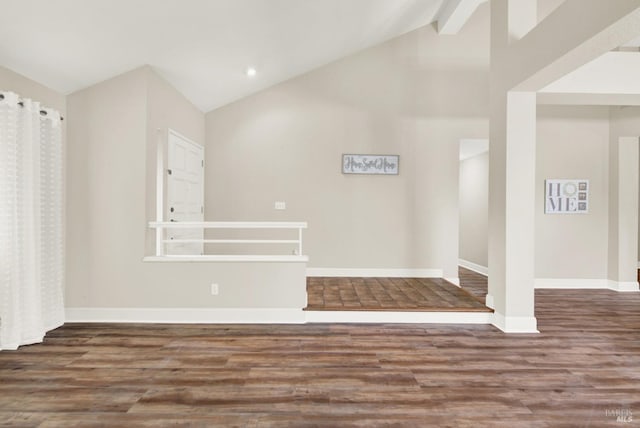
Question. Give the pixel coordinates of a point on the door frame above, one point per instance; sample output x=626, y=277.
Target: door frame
x=166, y=201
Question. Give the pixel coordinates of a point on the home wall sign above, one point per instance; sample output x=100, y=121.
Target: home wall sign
x=566, y=196
x=370, y=164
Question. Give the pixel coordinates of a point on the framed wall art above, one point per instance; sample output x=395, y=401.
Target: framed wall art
x=566, y=196
x=370, y=164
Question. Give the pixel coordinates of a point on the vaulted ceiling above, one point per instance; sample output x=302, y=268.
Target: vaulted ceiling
x=203, y=47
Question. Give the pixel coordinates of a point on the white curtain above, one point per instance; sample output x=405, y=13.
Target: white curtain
x=31, y=221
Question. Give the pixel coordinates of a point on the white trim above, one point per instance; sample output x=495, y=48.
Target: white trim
x=638, y=265
x=489, y=302
x=454, y=15
x=483, y=270
x=570, y=283
x=187, y=315
x=230, y=241
x=398, y=317
x=375, y=273
x=267, y=316
x=159, y=189
x=229, y=224
x=182, y=137
x=515, y=324
x=226, y=258
x=623, y=286
x=585, y=284
x=454, y=281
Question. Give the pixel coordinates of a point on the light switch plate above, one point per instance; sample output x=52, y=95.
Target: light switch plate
x=279, y=205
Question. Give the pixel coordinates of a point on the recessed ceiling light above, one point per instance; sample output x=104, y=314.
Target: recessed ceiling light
x=251, y=71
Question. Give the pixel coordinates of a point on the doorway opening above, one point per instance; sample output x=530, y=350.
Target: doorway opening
x=473, y=235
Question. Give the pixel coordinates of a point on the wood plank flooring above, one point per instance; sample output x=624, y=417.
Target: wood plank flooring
x=474, y=283
x=389, y=294
x=582, y=370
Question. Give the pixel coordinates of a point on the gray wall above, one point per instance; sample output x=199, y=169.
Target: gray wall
x=625, y=122
x=166, y=108
x=112, y=132
x=25, y=87
x=474, y=209
x=573, y=142
x=106, y=188
x=414, y=96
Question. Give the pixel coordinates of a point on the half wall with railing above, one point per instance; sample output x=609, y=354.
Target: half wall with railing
x=286, y=247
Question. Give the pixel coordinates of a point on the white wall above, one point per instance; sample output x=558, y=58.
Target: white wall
x=625, y=122
x=106, y=191
x=25, y=87
x=166, y=109
x=414, y=96
x=546, y=7
x=112, y=132
x=573, y=142
x=474, y=209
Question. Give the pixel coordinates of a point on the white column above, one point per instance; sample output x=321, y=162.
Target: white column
x=623, y=214
x=511, y=177
x=512, y=208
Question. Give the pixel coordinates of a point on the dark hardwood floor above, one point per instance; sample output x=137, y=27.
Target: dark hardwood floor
x=582, y=370
x=389, y=294
x=474, y=283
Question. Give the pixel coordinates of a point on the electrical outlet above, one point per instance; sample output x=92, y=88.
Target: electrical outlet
x=214, y=289
x=279, y=205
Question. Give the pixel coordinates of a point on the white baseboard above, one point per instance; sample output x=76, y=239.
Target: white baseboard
x=187, y=315
x=454, y=281
x=623, y=286
x=489, y=302
x=585, y=284
x=515, y=324
x=267, y=316
x=569, y=283
x=373, y=273
x=399, y=317
x=225, y=258
x=483, y=270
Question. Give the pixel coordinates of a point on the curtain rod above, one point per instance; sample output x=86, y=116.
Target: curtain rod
x=21, y=104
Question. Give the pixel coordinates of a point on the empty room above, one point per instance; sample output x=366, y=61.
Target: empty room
x=319, y=213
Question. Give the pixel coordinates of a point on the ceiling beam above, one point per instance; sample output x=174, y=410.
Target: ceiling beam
x=454, y=14
x=588, y=99
x=575, y=33
x=611, y=73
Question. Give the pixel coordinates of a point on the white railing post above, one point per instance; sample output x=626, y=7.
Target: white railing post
x=159, y=192
x=159, y=239
x=299, y=241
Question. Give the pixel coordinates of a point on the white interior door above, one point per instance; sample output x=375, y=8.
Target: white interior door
x=185, y=192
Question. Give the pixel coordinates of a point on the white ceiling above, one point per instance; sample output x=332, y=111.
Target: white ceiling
x=611, y=73
x=202, y=47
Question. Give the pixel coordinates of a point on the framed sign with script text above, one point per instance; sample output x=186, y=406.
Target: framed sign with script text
x=566, y=196
x=370, y=164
